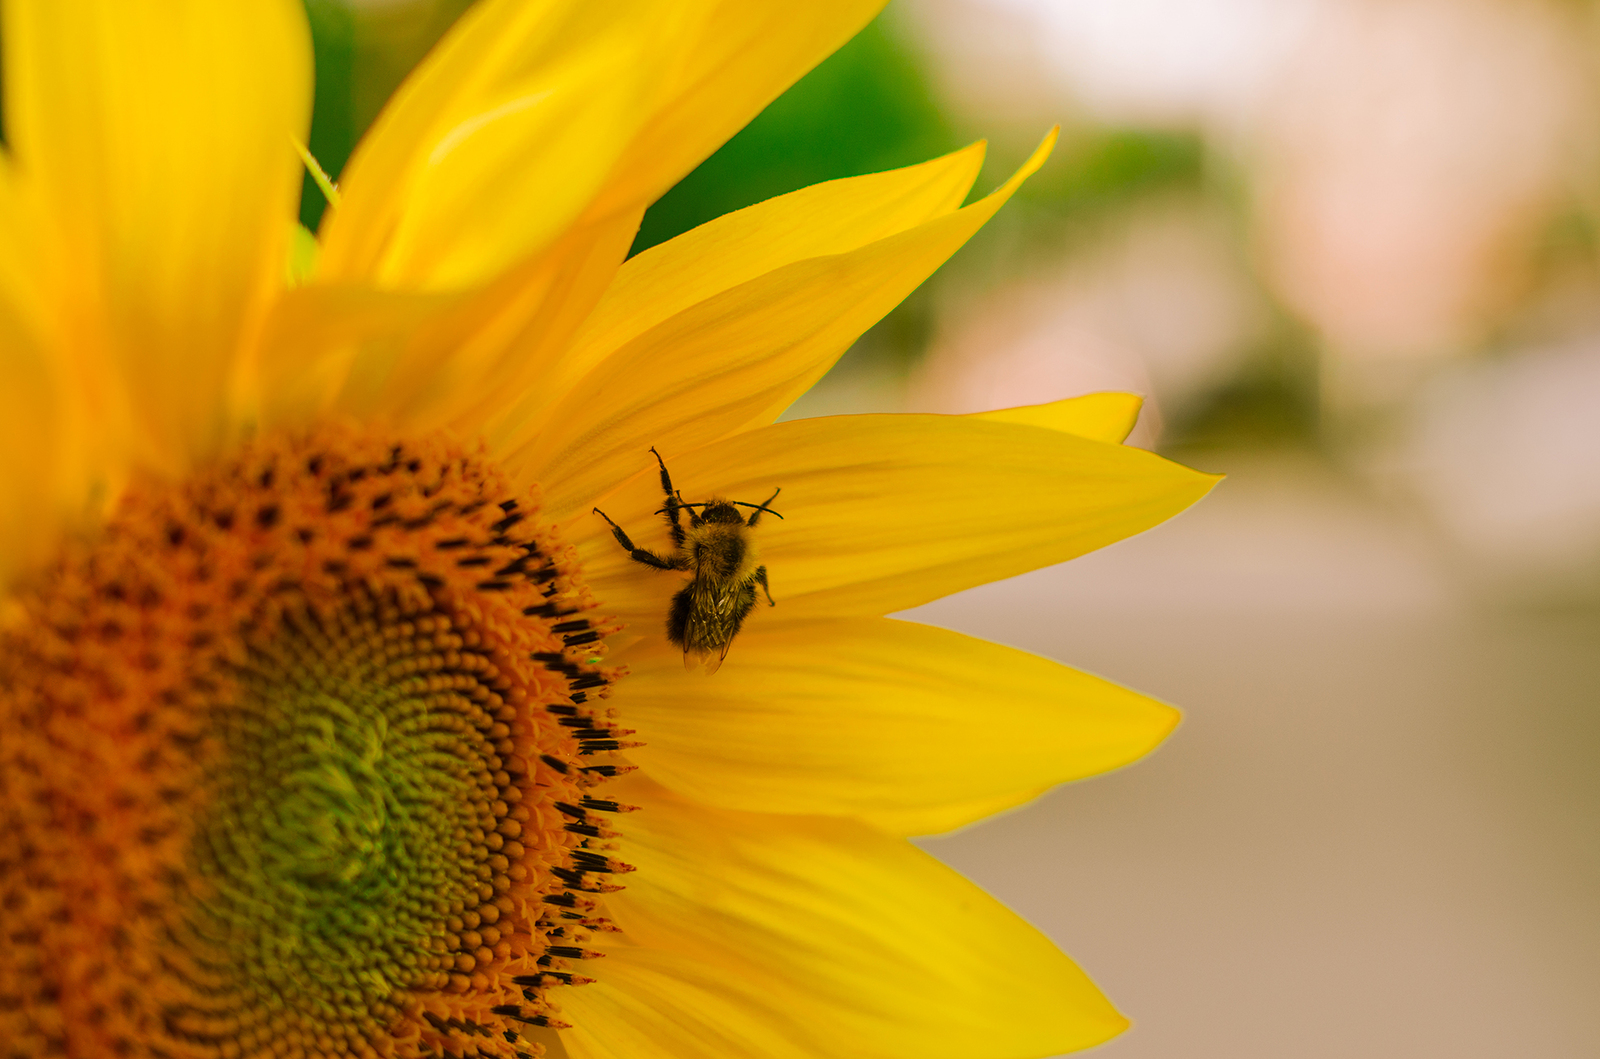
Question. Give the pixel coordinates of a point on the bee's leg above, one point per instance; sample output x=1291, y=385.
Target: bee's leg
x=756, y=514
x=674, y=501
x=761, y=579
x=642, y=555
x=694, y=519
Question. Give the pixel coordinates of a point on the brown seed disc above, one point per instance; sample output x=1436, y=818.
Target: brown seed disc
x=294, y=762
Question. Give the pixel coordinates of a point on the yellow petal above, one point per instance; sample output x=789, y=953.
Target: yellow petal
x=734, y=360
x=867, y=947
x=35, y=451
x=432, y=360
x=303, y=249
x=902, y=725
x=21, y=295
x=332, y=349
x=825, y=219
x=52, y=472
x=155, y=142
x=500, y=139
x=885, y=512
x=519, y=337
x=744, y=56
x=660, y=1004
x=1098, y=416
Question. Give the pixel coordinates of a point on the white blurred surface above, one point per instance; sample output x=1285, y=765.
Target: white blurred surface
x=1507, y=456
x=1166, y=61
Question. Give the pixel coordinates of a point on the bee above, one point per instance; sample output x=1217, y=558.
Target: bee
x=719, y=548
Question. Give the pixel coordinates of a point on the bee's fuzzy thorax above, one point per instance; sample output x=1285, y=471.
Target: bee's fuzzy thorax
x=722, y=550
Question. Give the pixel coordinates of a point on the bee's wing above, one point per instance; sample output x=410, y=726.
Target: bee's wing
x=709, y=661
x=707, y=658
x=714, y=627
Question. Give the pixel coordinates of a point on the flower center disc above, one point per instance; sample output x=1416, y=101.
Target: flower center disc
x=294, y=761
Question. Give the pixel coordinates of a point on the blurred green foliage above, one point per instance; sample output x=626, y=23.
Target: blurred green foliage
x=1099, y=170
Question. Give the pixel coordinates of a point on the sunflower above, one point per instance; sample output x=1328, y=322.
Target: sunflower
x=327, y=700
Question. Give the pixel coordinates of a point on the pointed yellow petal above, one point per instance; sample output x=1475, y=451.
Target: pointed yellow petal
x=835, y=217
x=866, y=946
x=743, y=57
x=156, y=144
x=885, y=512
x=734, y=360
x=1097, y=416
x=903, y=725
x=500, y=139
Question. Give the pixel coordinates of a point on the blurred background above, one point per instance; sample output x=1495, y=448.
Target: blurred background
x=1350, y=251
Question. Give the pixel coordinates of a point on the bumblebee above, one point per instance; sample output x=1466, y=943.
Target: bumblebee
x=719, y=548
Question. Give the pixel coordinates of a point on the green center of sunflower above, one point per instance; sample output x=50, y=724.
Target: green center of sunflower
x=298, y=762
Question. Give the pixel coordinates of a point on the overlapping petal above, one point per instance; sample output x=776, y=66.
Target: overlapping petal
x=531, y=118
x=520, y=155
x=736, y=359
x=500, y=140
x=823, y=220
x=153, y=144
x=865, y=945
x=804, y=723
x=886, y=512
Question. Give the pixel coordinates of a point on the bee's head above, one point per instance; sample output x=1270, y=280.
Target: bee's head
x=720, y=511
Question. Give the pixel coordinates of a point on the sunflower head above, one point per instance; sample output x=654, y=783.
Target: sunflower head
x=314, y=734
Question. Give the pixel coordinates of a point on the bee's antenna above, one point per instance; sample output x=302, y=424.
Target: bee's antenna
x=758, y=507
x=763, y=505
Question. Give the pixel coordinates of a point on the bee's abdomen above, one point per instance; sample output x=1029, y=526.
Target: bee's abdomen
x=678, y=617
